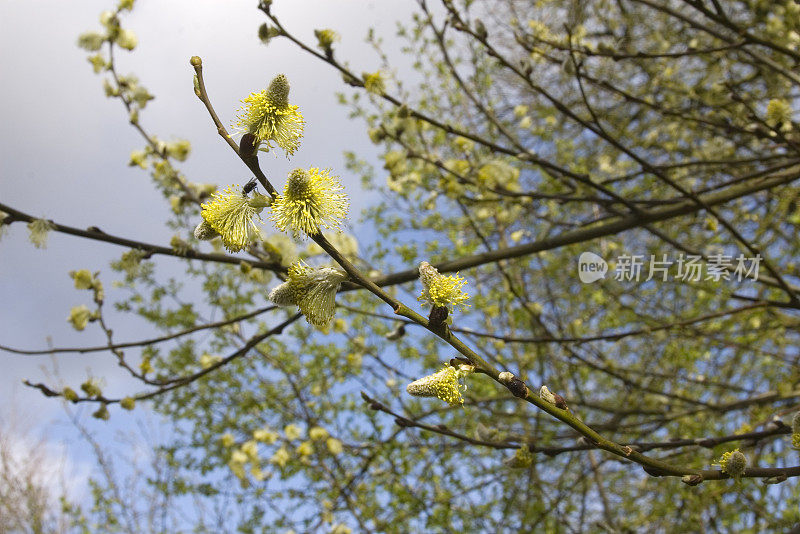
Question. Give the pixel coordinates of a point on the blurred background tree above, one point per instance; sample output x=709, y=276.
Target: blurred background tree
x=33, y=480
x=516, y=136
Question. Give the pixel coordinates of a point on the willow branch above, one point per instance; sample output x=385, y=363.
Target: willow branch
x=96, y=234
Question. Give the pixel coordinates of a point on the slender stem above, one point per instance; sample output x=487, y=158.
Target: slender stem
x=251, y=162
x=98, y=235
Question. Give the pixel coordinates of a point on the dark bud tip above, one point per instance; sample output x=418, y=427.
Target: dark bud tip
x=248, y=146
x=195, y=61
x=438, y=316
x=456, y=362
x=365, y=397
x=263, y=32
x=560, y=402
x=692, y=480
x=517, y=388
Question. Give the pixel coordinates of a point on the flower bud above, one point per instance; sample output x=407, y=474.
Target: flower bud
x=546, y=395
x=204, y=231
x=692, y=480
x=39, y=230
x=325, y=39
x=83, y=279
x=250, y=448
x=779, y=111
x=281, y=457
x=480, y=29
x=108, y=19
x=266, y=33
x=227, y=440
x=179, y=149
x=444, y=384
x=522, y=459
x=127, y=39
x=91, y=388
x=102, y=413
x=283, y=295
x=209, y=360
x=196, y=86
x=374, y=82
x=91, y=41
x=334, y=446
x=733, y=463
x=278, y=91
x=305, y=449
x=292, y=432
x=485, y=433
x=317, y=433
x=516, y=386
x=79, y=317
x=179, y=246
x=265, y=435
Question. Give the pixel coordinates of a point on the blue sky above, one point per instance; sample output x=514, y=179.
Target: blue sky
x=65, y=150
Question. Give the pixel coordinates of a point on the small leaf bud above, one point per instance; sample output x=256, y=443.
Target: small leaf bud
x=516, y=386
x=560, y=402
x=692, y=480
x=546, y=395
x=397, y=333
x=480, y=29
x=196, y=83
